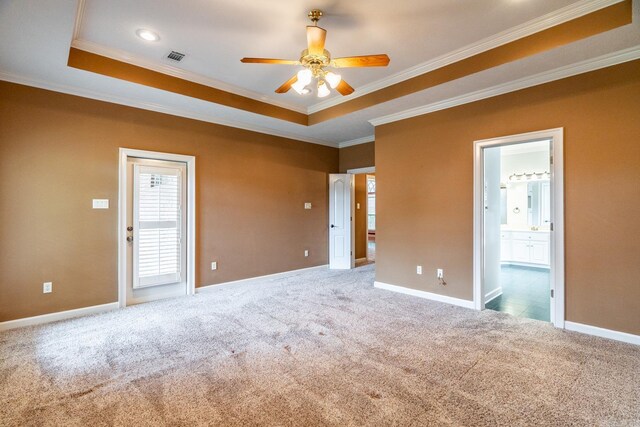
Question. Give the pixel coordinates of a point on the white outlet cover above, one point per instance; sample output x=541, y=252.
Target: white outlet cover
x=307, y=205
x=439, y=273
x=306, y=252
x=419, y=269
x=357, y=205
x=214, y=265
x=47, y=287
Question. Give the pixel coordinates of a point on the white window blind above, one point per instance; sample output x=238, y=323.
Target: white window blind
x=157, y=212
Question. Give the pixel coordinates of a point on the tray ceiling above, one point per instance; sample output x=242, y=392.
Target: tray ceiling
x=214, y=36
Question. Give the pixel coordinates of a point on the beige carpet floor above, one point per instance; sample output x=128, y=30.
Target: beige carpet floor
x=318, y=348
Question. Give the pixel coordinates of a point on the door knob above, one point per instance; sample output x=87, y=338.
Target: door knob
x=129, y=228
x=333, y=226
x=129, y=239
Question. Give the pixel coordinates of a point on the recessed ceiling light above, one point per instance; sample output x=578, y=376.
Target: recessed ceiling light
x=147, y=35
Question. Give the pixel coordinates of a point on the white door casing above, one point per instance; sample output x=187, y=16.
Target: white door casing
x=341, y=232
x=356, y=171
x=170, y=280
x=556, y=261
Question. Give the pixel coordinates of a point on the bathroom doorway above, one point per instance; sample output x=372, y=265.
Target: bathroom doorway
x=517, y=240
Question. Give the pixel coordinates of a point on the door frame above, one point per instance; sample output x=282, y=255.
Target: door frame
x=366, y=242
x=190, y=161
x=357, y=171
x=556, y=245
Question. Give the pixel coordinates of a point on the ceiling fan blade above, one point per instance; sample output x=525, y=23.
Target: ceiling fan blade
x=269, y=61
x=361, y=61
x=287, y=85
x=344, y=88
x=315, y=39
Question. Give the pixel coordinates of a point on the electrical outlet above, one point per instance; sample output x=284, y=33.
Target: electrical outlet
x=47, y=287
x=307, y=205
x=306, y=252
x=419, y=269
x=214, y=265
x=439, y=273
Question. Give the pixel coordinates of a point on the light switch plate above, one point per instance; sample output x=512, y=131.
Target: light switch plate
x=214, y=265
x=100, y=203
x=306, y=252
x=47, y=287
x=307, y=205
x=419, y=269
x=439, y=273
x=357, y=205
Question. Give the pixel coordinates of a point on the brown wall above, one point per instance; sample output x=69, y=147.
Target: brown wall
x=424, y=171
x=357, y=156
x=57, y=152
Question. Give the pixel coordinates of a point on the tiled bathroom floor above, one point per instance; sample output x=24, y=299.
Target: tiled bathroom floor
x=525, y=292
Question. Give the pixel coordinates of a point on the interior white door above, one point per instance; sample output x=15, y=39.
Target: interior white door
x=156, y=230
x=341, y=233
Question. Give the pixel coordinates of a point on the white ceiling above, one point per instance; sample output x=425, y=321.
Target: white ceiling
x=215, y=35
x=35, y=37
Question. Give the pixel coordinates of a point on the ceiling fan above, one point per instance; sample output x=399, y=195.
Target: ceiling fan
x=315, y=58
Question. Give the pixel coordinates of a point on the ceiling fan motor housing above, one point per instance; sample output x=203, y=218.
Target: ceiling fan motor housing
x=315, y=62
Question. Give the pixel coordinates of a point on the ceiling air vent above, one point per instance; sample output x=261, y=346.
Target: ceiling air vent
x=175, y=56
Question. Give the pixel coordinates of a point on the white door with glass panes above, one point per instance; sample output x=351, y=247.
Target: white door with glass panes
x=156, y=230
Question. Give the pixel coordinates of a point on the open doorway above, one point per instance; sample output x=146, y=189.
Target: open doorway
x=365, y=218
x=518, y=261
x=371, y=218
x=352, y=218
x=517, y=229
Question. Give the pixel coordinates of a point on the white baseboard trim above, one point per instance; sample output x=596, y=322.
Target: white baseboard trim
x=602, y=332
x=54, y=317
x=493, y=294
x=423, y=294
x=260, y=278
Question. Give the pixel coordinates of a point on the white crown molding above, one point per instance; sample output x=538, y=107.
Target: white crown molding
x=544, y=22
x=86, y=93
x=593, y=64
x=78, y=21
x=423, y=294
x=602, y=332
x=123, y=56
x=357, y=141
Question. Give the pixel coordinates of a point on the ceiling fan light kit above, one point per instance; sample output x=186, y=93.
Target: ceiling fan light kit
x=315, y=59
x=323, y=90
